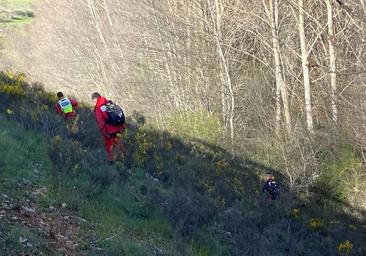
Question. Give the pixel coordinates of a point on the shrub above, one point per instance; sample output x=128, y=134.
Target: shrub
x=190, y=212
x=200, y=124
x=317, y=224
x=342, y=180
x=345, y=247
x=295, y=213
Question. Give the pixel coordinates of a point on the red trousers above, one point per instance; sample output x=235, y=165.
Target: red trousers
x=111, y=143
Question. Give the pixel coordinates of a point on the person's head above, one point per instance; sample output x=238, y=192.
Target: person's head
x=95, y=96
x=60, y=95
x=269, y=176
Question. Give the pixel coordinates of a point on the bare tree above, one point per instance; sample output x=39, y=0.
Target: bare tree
x=332, y=61
x=305, y=67
x=272, y=14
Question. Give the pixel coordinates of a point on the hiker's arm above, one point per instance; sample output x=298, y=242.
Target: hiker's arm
x=74, y=103
x=101, y=123
x=58, y=108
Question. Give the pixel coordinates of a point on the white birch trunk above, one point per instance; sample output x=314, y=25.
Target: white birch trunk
x=278, y=110
x=227, y=78
x=332, y=62
x=280, y=83
x=305, y=68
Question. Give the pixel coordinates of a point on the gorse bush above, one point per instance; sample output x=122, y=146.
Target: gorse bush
x=30, y=105
x=317, y=224
x=344, y=248
x=12, y=86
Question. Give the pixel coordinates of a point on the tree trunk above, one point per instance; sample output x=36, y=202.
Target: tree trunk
x=332, y=62
x=280, y=83
x=305, y=68
x=226, y=72
x=278, y=110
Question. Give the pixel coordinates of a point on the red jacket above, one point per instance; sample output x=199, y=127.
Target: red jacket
x=101, y=116
x=70, y=115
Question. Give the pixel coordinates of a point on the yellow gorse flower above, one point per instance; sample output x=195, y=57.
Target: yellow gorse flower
x=222, y=165
x=295, y=213
x=10, y=74
x=316, y=224
x=345, y=246
x=57, y=140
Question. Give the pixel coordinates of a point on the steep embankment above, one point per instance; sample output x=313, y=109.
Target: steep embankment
x=39, y=218
x=167, y=196
x=71, y=200
x=30, y=223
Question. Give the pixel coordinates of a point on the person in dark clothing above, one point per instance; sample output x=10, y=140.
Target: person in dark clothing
x=271, y=187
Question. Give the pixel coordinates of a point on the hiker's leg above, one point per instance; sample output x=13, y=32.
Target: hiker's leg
x=109, y=147
x=75, y=127
x=120, y=145
x=269, y=197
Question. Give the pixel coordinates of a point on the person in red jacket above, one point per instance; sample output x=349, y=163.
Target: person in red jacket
x=65, y=106
x=111, y=133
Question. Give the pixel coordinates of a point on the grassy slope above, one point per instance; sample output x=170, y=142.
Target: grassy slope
x=167, y=197
x=115, y=214
x=22, y=152
x=24, y=162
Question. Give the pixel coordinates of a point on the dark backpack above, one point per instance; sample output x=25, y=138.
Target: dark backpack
x=273, y=189
x=115, y=114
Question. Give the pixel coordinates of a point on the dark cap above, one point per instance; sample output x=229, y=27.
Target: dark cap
x=60, y=94
x=95, y=95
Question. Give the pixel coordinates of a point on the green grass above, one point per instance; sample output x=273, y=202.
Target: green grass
x=11, y=244
x=18, y=13
x=121, y=220
x=23, y=165
x=114, y=212
x=17, y=4
x=197, y=125
x=23, y=156
x=19, y=21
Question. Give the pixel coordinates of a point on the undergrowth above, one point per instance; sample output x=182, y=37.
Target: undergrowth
x=167, y=196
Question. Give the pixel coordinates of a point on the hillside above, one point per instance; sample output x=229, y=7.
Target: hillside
x=168, y=196
x=217, y=94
